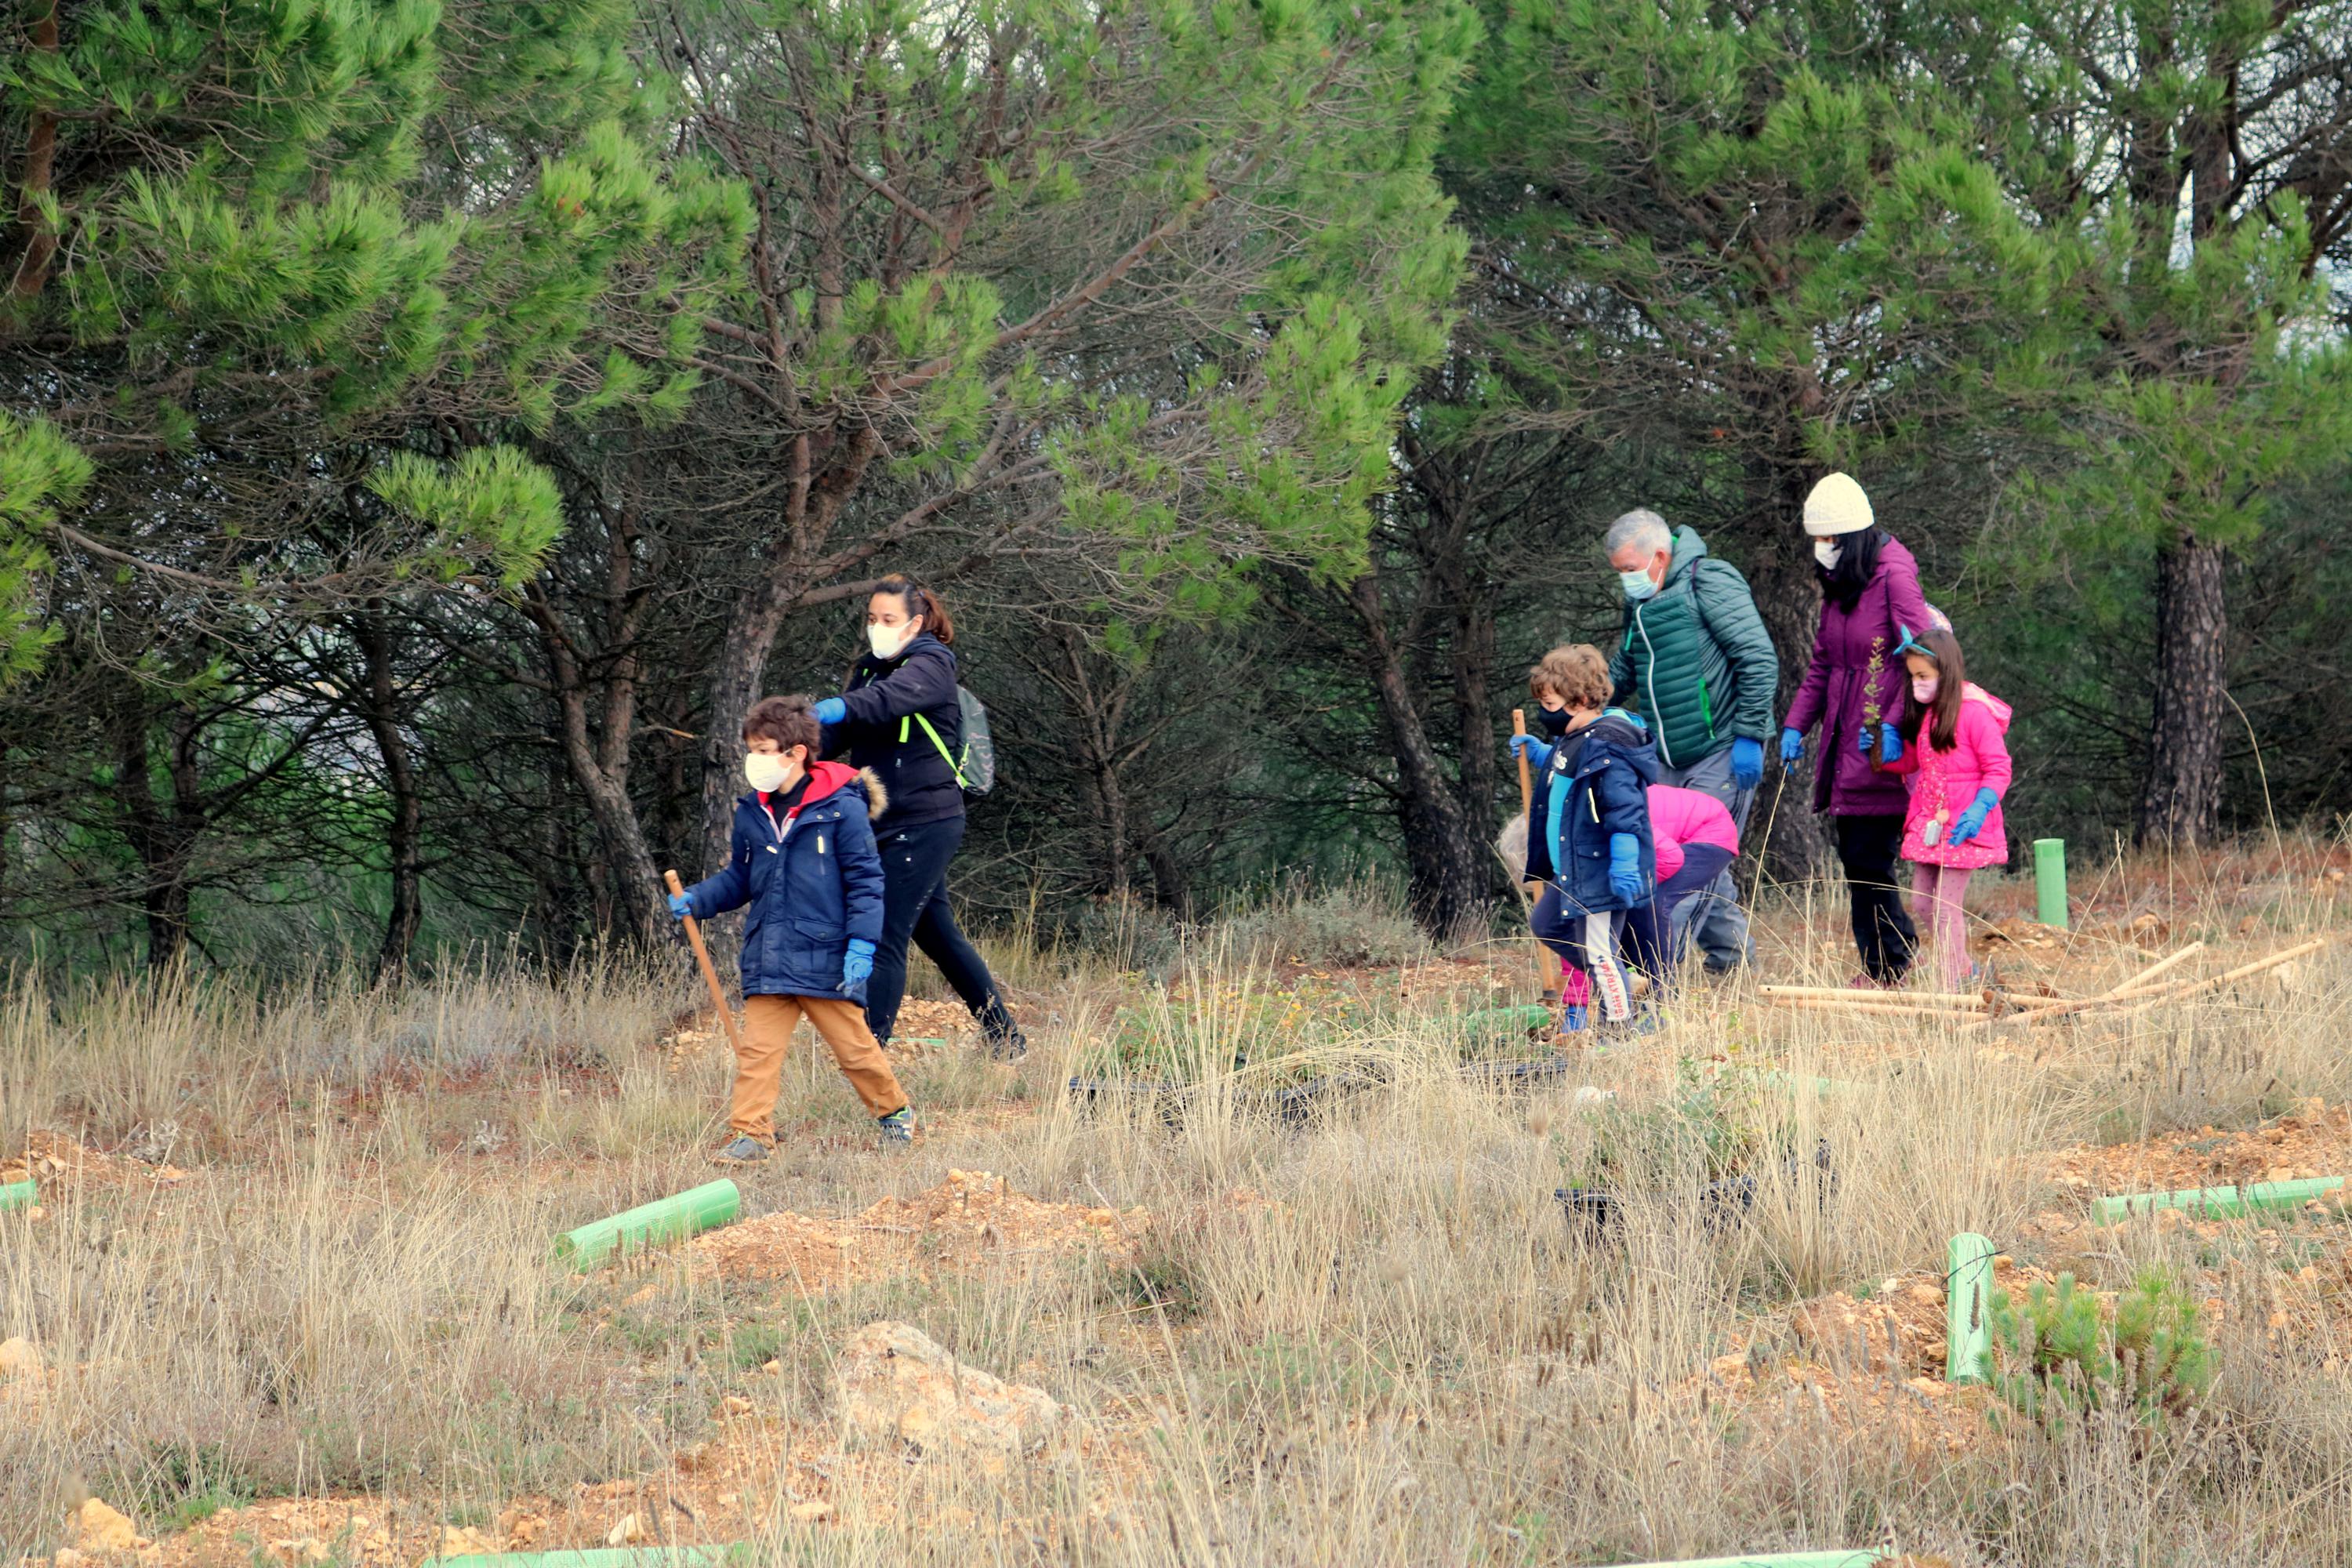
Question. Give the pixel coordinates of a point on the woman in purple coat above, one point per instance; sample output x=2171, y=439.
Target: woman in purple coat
x=1854, y=688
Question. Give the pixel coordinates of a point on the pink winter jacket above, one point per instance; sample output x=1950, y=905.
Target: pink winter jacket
x=1680, y=816
x=1943, y=783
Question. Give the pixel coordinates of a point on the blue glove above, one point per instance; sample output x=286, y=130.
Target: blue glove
x=857, y=968
x=831, y=710
x=1746, y=761
x=1972, y=820
x=1890, y=744
x=1625, y=867
x=1792, y=746
x=680, y=906
x=1538, y=754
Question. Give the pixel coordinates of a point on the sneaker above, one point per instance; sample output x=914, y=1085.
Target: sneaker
x=745, y=1149
x=1009, y=1045
x=1644, y=1021
x=1575, y=1018
x=897, y=1128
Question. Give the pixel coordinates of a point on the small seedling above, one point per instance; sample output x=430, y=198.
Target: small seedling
x=2064, y=1351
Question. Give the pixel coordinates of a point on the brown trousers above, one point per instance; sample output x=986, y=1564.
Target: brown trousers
x=768, y=1025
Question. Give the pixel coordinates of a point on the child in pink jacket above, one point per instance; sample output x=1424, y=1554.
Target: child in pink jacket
x=1951, y=744
x=1696, y=839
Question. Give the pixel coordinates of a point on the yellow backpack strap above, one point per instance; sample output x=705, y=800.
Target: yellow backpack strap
x=942, y=745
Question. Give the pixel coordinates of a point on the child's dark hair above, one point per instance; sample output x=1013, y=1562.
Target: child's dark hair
x=1951, y=674
x=916, y=600
x=788, y=721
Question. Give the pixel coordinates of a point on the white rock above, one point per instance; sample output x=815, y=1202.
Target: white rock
x=895, y=1381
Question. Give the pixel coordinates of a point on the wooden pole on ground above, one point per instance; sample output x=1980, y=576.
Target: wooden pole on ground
x=1847, y=994
x=709, y=971
x=2139, y=982
x=1544, y=970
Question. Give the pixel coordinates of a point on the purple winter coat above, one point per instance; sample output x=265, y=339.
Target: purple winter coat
x=1838, y=683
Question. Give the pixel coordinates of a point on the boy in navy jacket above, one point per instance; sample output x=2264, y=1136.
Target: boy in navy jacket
x=802, y=857
x=1589, y=838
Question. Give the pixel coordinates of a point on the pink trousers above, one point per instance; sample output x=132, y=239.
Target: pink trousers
x=1939, y=890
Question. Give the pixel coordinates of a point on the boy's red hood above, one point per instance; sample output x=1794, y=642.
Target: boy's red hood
x=828, y=779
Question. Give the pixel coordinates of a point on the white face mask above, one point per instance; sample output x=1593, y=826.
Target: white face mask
x=1925, y=687
x=887, y=641
x=1638, y=586
x=766, y=771
x=1826, y=552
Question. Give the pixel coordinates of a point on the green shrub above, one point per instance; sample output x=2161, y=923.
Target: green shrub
x=1344, y=927
x=1282, y=1033
x=2064, y=1350
x=1725, y=1113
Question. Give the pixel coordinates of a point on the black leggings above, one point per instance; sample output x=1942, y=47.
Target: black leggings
x=1882, y=932
x=914, y=907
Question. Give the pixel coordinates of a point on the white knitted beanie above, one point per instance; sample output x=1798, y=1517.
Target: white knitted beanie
x=1836, y=506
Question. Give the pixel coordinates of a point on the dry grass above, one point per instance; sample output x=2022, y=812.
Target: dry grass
x=1371, y=1340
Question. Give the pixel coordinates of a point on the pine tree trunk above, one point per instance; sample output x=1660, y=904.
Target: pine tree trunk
x=1169, y=886
x=1792, y=842
x=600, y=766
x=1445, y=884
x=1474, y=675
x=735, y=679
x=2180, y=802
x=403, y=834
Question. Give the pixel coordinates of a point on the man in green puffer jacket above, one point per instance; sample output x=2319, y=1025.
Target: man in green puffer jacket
x=1693, y=659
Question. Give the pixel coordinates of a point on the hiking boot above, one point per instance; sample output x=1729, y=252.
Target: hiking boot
x=1003, y=1036
x=743, y=1150
x=898, y=1129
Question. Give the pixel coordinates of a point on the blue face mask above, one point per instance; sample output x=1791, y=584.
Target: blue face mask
x=1637, y=584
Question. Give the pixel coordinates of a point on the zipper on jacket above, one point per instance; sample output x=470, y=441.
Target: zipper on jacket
x=1652, y=674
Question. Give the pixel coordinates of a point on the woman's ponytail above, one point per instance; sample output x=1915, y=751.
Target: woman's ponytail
x=914, y=599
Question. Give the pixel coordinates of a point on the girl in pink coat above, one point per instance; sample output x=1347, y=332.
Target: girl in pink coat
x=1951, y=744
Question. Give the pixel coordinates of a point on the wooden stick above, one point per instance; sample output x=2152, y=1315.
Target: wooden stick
x=2215, y=982
x=2141, y=1001
x=1845, y=993
x=1544, y=984
x=709, y=972
x=2139, y=982
x=1527, y=780
x=1873, y=1004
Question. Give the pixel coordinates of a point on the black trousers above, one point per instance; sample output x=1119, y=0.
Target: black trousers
x=1868, y=847
x=915, y=909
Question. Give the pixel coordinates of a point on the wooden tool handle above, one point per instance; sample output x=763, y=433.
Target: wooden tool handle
x=709, y=971
x=1526, y=780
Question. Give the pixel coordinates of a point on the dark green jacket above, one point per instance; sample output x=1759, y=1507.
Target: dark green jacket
x=1694, y=659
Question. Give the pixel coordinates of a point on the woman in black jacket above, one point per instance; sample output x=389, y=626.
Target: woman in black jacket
x=898, y=714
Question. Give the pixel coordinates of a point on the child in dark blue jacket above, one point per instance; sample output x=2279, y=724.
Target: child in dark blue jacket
x=1589, y=838
x=802, y=857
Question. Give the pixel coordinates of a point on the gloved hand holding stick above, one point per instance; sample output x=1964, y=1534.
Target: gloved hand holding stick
x=702, y=956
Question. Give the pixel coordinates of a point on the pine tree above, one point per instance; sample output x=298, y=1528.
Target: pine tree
x=255, y=247
x=286, y=284
x=1153, y=276
x=2197, y=155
